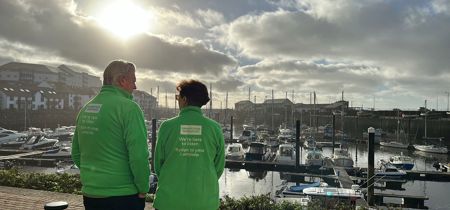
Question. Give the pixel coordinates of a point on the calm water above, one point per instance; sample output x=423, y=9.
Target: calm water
x=242, y=182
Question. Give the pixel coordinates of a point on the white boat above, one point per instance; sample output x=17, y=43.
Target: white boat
x=394, y=144
x=431, y=148
x=402, y=161
x=247, y=136
x=314, y=158
x=286, y=135
x=310, y=143
x=9, y=135
x=63, y=153
x=235, y=151
x=41, y=142
x=63, y=133
x=333, y=192
x=302, y=201
x=341, y=157
x=285, y=154
x=387, y=170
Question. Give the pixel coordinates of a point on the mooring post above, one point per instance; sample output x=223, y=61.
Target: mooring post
x=370, y=172
x=297, y=143
x=153, y=144
x=231, y=127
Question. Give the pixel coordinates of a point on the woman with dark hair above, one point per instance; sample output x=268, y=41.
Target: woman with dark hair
x=189, y=154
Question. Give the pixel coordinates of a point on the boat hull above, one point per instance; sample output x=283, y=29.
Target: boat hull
x=404, y=166
x=426, y=148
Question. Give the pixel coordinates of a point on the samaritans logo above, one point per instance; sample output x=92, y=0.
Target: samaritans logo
x=191, y=130
x=93, y=108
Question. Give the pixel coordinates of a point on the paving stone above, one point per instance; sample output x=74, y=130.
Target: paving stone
x=12, y=198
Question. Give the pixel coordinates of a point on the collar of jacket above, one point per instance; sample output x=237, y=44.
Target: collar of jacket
x=190, y=109
x=116, y=90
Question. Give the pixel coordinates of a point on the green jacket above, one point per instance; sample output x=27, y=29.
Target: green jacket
x=110, y=145
x=189, y=160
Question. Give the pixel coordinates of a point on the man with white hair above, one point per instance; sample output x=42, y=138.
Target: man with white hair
x=110, y=144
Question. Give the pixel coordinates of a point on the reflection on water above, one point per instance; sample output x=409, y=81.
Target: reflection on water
x=241, y=182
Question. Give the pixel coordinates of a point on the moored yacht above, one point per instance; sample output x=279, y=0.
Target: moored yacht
x=286, y=135
x=402, y=162
x=285, y=154
x=394, y=144
x=333, y=192
x=314, y=157
x=41, y=142
x=387, y=170
x=341, y=157
x=258, y=151
x=9, y=135
x=310, y=143
x=431, y=148
x=247, y=136
x=235, y=151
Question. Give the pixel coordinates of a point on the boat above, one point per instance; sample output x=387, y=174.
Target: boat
x=334, y=192
x=62, y=153
x=286, y=135
x=258, y=151
x=9, y=135
x=431, y=148
x=310, y=143
x=397, y=143
x=16, y=144
x=300, y=200
x=285, y=154
x=235, y=151
x=342, y=158
x=63, y=133
x=40, y=142
x=314, y=158
x=388, y=170
x=402, y=161
x=394, y=144
x=247, y=136
x=301, y=187
x=296, y=190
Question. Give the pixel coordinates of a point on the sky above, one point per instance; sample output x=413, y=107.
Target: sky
x=382, y=54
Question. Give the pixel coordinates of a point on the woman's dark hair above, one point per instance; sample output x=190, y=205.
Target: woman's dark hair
x=195, y=92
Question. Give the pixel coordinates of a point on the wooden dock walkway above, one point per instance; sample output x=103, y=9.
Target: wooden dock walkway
x=21, y=155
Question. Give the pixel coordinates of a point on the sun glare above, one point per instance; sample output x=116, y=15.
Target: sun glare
x=125, y=19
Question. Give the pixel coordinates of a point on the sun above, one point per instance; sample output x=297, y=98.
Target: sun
x=125, y=19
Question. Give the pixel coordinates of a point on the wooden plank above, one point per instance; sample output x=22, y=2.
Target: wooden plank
x=15, y=156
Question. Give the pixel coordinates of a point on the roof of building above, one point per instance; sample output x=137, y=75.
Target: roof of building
x=16, y=66
x=278, y=101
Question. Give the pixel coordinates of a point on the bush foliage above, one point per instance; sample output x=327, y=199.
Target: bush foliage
x=70, y=183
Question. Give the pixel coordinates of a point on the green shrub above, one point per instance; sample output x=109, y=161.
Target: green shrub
x=64, y=183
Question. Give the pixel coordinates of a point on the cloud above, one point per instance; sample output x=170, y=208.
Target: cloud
x=54, y=26
x=408, y=36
